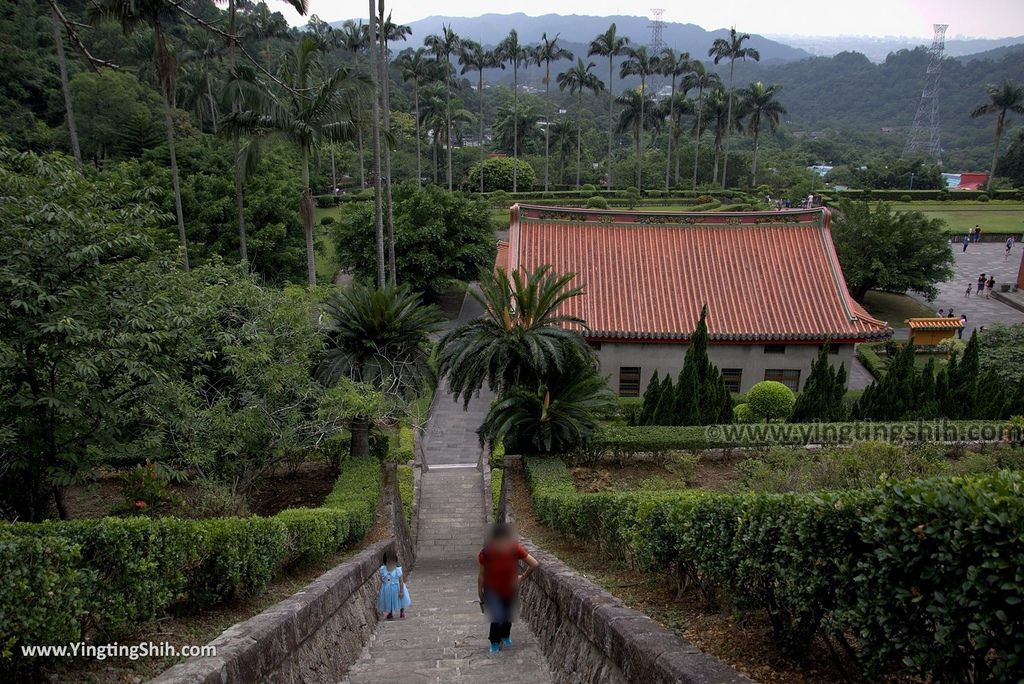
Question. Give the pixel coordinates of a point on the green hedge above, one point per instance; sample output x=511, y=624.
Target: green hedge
x=496, y=477
x=622, y=441
x=923, y=576
x=82, y=579
x=920, y=195
x=871, y=360
x=406, y=485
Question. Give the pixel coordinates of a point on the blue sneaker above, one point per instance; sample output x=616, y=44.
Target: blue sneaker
x=495, y=648
x=507, y=642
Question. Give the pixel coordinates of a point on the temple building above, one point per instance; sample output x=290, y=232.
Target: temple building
x=771, y=280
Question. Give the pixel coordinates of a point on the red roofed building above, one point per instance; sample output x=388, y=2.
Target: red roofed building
x=771, y=280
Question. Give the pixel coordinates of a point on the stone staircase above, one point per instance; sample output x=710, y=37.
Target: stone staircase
x=444, y=635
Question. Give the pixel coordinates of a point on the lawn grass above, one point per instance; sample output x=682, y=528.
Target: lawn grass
x=1000, y=216
x=894, y=308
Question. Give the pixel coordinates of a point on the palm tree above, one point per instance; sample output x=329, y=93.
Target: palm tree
x=557, y=417
x=444, y=45
x=563, y=133
x=387, y=32
x=716, y=116
x=309, y=112
x=546, y=52
x=154, y=14
x=673, y=64
x=640, y=63
x=381, y=337
x=474, y=57
x=415, y=67
x=674, y=111
x=1008, y=97
x=609, y=44
x=512, y=129
x=731, y=49
x=512, y=51
x=578, y=79
x=701, y=79
x=636, y=116
x=521, y=338
x=760, y=108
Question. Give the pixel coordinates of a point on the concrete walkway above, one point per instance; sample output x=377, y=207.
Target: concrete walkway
x=980, y=257
x=444, y=635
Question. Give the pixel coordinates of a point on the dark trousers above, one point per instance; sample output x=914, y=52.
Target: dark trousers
x=500, y=610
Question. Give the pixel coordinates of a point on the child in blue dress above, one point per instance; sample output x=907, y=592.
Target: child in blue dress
x=394, y=594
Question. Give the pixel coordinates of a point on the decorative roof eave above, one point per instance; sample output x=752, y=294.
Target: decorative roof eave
x=849, y=335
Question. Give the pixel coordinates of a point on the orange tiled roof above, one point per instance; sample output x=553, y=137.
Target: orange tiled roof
x=763, y=275
x=937, y=323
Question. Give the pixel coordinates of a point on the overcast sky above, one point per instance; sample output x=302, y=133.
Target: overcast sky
x=975, y=18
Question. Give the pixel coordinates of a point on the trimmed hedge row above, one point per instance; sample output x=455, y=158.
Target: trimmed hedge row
x=73, y=580
x=406, y=485
x=496, y=477
x=622, y=441
x=920, y=577
x=918, y=195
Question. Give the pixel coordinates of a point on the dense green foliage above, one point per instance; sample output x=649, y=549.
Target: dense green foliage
x=102, y=578
x=894, y=251
x=498, y=172
x=895, y=569
x=441, y=238
x=770, y=400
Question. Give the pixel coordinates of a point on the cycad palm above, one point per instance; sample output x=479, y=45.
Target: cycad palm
x=761, y=110
x=548, y=51
x=557, y=417
x=609, y=44
x=380, y=337
x=643, y=64
x=703, y=80
x=578, y=79
x=1008, y=97
x=673, y=64
x=521, y=338
x=731, y=48
x=474, y=57
x=515, y=53
x=415, y=67
x=444, y=45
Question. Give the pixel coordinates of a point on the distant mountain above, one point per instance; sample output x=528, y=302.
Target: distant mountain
x=997, y=53
x=578, y=30
x=878, y=48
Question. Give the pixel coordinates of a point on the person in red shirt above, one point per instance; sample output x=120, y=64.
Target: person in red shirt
x=499, y=580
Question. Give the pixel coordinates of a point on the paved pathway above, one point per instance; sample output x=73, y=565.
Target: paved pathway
x=444, y=636
x=980, y=257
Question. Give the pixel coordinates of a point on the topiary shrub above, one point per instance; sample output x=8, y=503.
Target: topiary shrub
x=327, y=220
x=597, y=202
x=705, y=199
x=741, y=413
x=983, y=197
x=498, y=174
x=588, y=187
x=906, y=198
x=771, y=400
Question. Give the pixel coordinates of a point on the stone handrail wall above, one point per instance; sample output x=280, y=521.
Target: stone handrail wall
x=589, y=636
x=312, y=636
x=316, y=634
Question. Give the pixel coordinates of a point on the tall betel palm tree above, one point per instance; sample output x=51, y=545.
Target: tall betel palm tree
x=609, y=44
x=415, y=67
x=474, y=57
x=548, y=51
x=521, y=338
x=637, y=115
x=378, y=336
x=515, y=53
x=444, y=45
x=155, y=15
x=578, y=79
x=701, y=79
x=639, y=62
x=1008, y=97
x=760, y=109
x=731, y=48
x=309, y=111
x=716, y=117
x=673, y=64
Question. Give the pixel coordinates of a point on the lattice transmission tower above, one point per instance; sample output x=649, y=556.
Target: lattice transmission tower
x=657, y=29
x=924, y=134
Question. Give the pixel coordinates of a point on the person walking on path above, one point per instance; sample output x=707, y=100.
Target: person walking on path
x=960, y=330
x=1009, y=246
x=977, y=233
x=989, y=284
x=966, y=241
x=970, y=289
x=499, y=580
x=394, y=594
x=981, y=284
